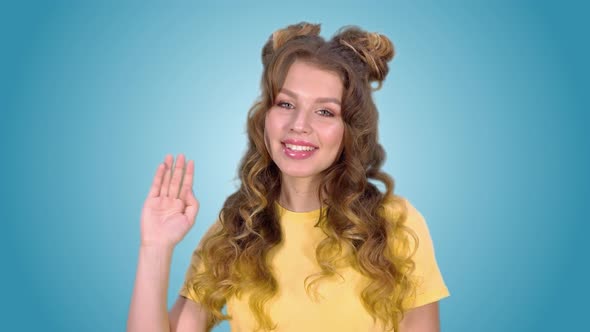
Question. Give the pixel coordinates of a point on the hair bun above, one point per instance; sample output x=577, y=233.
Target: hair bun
x=281, y=36
x=375, y=49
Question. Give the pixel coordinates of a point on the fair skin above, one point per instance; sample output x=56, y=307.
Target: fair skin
x=307, y=112
x=168, y=214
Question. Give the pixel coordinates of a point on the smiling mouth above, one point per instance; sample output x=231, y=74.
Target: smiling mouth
x=298, y=152
x=294, y=147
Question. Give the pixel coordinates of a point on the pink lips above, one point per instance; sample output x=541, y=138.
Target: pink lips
x=298, y=142
x=298, y=154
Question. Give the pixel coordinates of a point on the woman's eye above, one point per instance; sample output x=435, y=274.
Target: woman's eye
x=325, y=113
x=284, y=104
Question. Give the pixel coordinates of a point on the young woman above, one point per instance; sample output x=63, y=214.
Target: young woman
x=307, y=243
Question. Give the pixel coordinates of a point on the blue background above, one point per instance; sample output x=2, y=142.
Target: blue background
x=483, y=116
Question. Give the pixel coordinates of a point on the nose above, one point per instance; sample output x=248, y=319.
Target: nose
x=300, y=122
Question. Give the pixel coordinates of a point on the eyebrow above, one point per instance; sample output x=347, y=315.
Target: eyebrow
x=319, y=100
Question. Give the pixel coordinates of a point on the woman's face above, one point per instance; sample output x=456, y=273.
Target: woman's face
x=304, y=127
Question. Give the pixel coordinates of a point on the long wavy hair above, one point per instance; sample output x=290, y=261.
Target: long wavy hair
x=234, y=252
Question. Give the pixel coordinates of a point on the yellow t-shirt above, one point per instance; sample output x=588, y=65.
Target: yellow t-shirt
x=340, y=307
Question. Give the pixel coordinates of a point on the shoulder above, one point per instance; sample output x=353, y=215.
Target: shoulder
x=411, y=239
x=394, y=203
x=408, y=233
x=401, y=213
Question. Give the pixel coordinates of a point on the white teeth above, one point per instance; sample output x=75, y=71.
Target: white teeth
x=299, y=147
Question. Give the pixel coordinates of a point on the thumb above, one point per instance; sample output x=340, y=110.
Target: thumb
x=192, y=207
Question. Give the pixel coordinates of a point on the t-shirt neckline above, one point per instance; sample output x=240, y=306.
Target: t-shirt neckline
x=284, y=212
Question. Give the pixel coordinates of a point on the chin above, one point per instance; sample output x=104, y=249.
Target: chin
x=297, y=173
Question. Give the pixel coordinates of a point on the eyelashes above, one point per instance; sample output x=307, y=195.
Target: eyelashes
x=322, y=112
x=284, y=104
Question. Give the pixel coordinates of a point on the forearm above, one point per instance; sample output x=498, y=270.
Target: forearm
x=421, y=319
x=148, y=310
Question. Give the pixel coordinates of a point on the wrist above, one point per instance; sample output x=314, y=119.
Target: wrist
x=156, y=247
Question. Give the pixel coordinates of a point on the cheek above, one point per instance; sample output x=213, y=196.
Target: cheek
x=272, y=126
x=338, y=141
x=266, y=142
x=337, y=135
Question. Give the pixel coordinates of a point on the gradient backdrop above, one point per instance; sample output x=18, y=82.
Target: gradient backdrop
x=483, y=116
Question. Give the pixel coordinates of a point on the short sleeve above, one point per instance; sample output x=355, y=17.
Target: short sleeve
x=427, y=278
x=196, y=266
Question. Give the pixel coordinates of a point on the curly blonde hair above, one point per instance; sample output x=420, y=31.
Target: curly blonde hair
x=234, y=254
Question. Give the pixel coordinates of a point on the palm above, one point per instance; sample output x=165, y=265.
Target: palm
x=170, y=208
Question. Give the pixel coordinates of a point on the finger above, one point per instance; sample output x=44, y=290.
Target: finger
x=157, y=182
x=192, y=207
x=164, y=188
x=177, y=174
x=187, y=182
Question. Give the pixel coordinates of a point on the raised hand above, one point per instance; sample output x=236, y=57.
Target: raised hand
x=170, y=209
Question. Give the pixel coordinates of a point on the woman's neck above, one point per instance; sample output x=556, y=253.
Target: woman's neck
x=299, y=194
